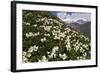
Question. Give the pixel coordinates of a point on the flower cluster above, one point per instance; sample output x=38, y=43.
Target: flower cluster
x=30, y=34
x=43, y=39
x=63, y=56
x=44, y=59
x=33, y=48
x=58, y=34
x=53, y=53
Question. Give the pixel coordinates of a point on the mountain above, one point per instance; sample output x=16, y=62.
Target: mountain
x=84, y=27
x=47, y=38
x=81, y=21
x=72, y=17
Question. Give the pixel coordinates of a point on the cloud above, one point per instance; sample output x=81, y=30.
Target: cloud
x=62, y=15
x=74, y=16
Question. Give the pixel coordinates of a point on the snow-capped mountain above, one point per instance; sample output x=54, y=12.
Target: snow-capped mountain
x=79, y=21
x=74, y=17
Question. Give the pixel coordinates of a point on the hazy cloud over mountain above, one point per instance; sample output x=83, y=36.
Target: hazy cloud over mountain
x=73, y=16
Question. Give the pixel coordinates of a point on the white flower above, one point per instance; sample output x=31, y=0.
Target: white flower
x=57, y=37
x=55, y=49
x=58, y=34
x=42, y=19
x=44, y=59
x=67, y=30
x=56, y=21
x=46, y=21
x=85, y=54
x=24, y=53
x=24, y=59
x=47, y=28
x=62, y=39
x=82, y=50
x=50, y=19
x=68, y=47
x=68, y=44
x=27, y=23
x=28, y=55
x=43, y=39
x=53, y=53
x=33, y=48
x=39, y=60
x=48, y=52
x=47, y=34
x=75, y=32
x=36, y=34
x=56, y=27
x=62, y=35
x=29, y=35
x=76, y=48
x=85, y=46
x=78, y=58
x=86, y=39
x=55, y=32
x=35, y=25
x=63, y=56
x=67, y=39
x=74, y=35
x=42, y=26
x=81, y=58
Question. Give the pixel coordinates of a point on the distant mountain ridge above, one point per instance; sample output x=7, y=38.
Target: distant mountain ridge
x=81, y=21
x=85, y=28
x=79, y=17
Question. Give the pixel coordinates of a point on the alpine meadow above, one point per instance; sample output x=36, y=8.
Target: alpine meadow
x=47, y=37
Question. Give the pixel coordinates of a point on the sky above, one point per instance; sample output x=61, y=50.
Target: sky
x=72, y=16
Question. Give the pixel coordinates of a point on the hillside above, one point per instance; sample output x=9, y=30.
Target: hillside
x=85, y=28
x=46, y=38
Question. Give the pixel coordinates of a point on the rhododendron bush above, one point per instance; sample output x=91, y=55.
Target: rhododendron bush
x=47, y=38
